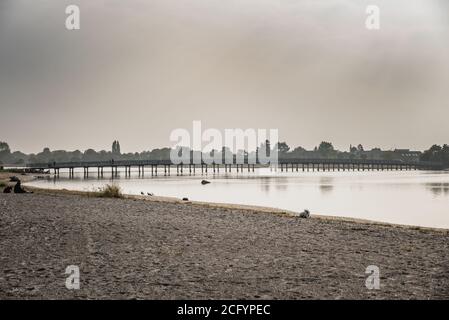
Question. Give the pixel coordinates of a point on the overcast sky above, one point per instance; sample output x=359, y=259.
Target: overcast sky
x=138, y=69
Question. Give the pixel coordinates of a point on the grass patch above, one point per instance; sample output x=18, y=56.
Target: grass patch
x=110, y=191
x=2, y=184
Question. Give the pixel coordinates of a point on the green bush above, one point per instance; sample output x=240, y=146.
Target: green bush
x=110, y=191
x=2, y=184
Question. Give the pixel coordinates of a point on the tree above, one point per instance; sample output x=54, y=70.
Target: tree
x=445, y=148
x=352, y=149
x=298, y=150
x=438, y=154
x=4, y=147
x=116, y=147
x=325, y=147
x=283, y=147
x=90, y=155
x=4, y=151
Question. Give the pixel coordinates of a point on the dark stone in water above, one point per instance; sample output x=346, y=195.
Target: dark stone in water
x=185, y=199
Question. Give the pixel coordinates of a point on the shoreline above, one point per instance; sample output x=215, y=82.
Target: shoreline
x=253, y=208
x=250, y=208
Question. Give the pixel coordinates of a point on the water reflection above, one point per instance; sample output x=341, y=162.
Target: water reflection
x=326, y=184
x=438, y=189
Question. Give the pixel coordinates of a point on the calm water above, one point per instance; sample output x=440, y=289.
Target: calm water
x=405, y=197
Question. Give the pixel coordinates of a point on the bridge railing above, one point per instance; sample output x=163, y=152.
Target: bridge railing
x=122, y=163
x=81, y=164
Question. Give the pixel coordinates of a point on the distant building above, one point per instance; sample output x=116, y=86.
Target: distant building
x=406, y=155
x=374, y=154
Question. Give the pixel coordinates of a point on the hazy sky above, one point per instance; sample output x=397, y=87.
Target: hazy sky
x=138, y=69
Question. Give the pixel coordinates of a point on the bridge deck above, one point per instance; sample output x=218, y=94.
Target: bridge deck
x=281, y=162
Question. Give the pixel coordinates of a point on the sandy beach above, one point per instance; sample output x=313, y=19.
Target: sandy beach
x=136, y=249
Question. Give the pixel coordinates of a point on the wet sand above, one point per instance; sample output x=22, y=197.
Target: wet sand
x=136, y=249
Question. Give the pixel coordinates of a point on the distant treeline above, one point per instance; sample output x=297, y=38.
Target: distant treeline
x=437, y=153
x=323, y=150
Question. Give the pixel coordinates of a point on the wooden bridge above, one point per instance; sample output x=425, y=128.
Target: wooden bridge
x=282, y=165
